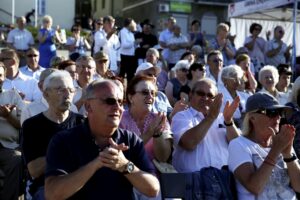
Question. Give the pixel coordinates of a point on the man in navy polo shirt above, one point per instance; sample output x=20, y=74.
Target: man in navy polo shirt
x=97, y=160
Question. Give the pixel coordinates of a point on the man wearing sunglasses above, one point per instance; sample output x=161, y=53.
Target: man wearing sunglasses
x=37, y=131
x=202, y=133
x=97, y=159
x=26, y=86
x=32, y=68
x=215, y=65
x=276, y=51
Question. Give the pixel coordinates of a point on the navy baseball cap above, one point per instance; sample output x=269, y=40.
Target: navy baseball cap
x=261, y=100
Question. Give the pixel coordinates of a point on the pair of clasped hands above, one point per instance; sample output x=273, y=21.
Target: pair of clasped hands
x=112, y=157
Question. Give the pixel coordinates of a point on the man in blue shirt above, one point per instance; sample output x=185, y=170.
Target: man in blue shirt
x=97, y=159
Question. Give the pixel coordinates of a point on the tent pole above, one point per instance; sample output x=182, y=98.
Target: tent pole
x=294, y=35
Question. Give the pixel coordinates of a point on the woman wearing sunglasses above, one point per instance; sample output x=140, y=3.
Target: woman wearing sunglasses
x=154, y=129
x=263, y=159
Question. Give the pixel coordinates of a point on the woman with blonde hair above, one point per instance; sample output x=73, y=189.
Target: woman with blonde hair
x=47, y=37
x=263, y=160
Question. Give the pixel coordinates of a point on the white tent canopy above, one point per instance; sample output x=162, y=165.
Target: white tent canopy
x=268, y=13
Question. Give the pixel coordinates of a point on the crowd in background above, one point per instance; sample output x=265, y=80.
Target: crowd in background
x=194, y=103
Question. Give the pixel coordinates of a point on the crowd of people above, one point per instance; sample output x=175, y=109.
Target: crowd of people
x=103, y=125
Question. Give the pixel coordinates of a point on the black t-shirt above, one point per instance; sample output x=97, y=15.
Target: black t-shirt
x=74, y=148
x=36, y=134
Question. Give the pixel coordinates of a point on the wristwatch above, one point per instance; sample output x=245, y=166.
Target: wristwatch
x=129, y=167
x=291, y=159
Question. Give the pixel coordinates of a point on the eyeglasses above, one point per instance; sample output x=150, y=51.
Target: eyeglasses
x=203, y=94
x=75, y=29
x=147, y=92
x=151, y=75
x=99, y=23
x=271, y=113
x=32, y=55
x=281, y=32
x=110, y=101
x=64, y=90
x=217, y=60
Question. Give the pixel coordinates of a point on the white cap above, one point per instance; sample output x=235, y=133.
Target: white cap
x=146, y=65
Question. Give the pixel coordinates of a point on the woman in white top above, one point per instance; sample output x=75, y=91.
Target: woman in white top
x=268, y=77
x=263, y=159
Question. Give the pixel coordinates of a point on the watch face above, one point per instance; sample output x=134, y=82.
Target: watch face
x=130, y=167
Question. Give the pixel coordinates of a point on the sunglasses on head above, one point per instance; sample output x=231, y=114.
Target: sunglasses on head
x=271, y=113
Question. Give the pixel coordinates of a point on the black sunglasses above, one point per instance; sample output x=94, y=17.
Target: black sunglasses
x=32, y=55
x=217, y=60
x=111, y=101
x=147, y=92
x=203, y=94
x=271, y=113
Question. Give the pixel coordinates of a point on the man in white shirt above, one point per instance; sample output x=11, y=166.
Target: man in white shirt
x=27, y=87
x=202, y=133
x=215, y=65
x=277, y=52
x=20, y=39
x=10, y=156
x=177, y=45
x=32, y=69
x=127, y=50
x=107, y=41
x=165, y=36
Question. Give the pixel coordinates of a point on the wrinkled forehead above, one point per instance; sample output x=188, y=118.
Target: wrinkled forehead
x=65, y=82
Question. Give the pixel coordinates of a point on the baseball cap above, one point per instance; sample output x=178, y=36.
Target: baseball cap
x=262, y=100
x=284, y=69
x=146, y=65
x=100, y=55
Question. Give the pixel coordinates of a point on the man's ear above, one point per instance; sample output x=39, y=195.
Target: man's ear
x=88, y=107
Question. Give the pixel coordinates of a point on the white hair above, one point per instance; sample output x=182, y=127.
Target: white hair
x=232, y=71
x=271, y=69
x=60, y=74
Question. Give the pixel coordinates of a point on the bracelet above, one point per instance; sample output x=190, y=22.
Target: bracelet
x=157, y=135
x=230, y=124
x=291, y=159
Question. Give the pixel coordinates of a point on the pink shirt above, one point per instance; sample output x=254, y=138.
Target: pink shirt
x=128, y=123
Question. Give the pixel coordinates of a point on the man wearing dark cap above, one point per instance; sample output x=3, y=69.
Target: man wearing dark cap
x=285, y=74
x=102, y=65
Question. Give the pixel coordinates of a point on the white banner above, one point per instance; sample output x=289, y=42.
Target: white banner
x=250, y=6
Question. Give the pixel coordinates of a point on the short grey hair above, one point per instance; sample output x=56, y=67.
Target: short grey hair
x=271, y=69
x=89, y=59
x=295, y=91
x=232, y=71
x=59, y=74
